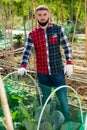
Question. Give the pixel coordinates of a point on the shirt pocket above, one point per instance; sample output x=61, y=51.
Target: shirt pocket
x=53, y=40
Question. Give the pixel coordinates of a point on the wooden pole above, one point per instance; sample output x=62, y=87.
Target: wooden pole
x=11, y=27
x=5, y=107
x=62, y=12
x=78, y=11
x=51, y=10
x=43, y=2
x=57, y=11
x=28, y=12
x=72, y=10
x=86, y=26
x=4, y=29
x=24, y=20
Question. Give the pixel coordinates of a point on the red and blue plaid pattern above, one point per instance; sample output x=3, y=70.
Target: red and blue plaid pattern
x=47, y=47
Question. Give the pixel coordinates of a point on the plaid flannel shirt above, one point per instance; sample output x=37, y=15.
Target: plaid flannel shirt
x=47, y=47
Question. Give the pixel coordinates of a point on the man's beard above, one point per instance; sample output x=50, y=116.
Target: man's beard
x=43, y=23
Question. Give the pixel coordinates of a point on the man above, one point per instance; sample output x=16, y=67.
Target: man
x=46, y=38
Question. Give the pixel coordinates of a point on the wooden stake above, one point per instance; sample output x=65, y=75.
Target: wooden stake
x=5, y=107
x=57, y=11
x=86, y=26
x=10, y=34
x=50, y=10
x=78, y=11
x=4, y=29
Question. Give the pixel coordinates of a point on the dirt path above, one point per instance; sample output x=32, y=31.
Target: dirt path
x=79, y=79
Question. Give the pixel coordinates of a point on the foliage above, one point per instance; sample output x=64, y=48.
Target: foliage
x=14, y=96
x=52, y=119
x=1, y=126
x=46, y=126
x=18, y=37
x=25, y=110
x=30, y=125
x=60, y=12
x=80, y=27
x=1, y=35
x=69, y=28
x=24, y=8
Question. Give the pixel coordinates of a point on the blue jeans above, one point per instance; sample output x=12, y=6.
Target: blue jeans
x=46, y=82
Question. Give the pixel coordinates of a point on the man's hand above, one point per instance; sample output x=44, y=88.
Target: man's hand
x=21, y=71
x=68, y=70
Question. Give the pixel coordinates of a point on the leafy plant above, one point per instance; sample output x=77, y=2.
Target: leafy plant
x=69, y=28
x=18, y=37
x=25, y=109
x=1, y=35
x=52, y=119
x=30, y=125
x=46, y=126
x=17, y=96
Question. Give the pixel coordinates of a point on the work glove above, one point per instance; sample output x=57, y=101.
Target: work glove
x=68, y=70
x=21, y=71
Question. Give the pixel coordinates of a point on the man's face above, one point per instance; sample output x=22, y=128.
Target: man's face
x=42, y=17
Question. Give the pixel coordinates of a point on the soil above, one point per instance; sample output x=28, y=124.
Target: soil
x=17, y=45
x=79, y=79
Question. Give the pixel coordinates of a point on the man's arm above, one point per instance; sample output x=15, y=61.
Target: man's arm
x=26, y=55
x=68, y=52
x=27, y=51
x=66, y=46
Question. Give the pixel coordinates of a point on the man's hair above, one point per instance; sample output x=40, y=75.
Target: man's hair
x=42, y=7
